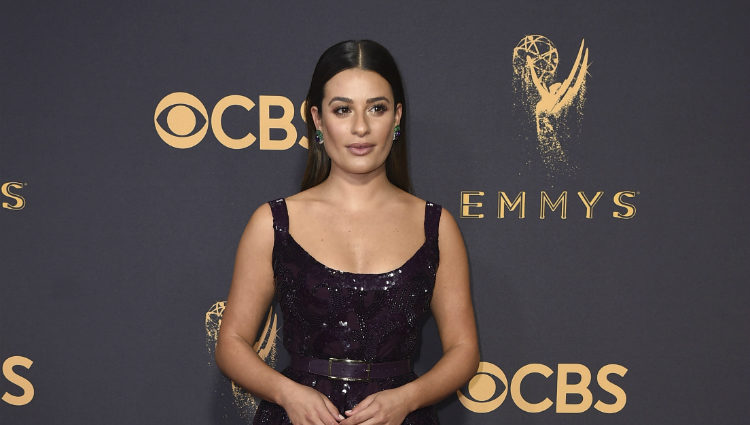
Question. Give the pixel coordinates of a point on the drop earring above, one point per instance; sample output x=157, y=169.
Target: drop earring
x=396, y=133
x=319, y=137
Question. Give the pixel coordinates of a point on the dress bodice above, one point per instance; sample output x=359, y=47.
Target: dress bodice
x=333, y=313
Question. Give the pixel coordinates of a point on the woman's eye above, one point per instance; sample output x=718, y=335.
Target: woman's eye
x=379, y=108
x=341, y=110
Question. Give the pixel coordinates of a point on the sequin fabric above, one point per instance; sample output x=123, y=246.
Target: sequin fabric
x=332, y=313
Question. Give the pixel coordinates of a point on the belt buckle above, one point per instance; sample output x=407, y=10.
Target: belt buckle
x=332, y=360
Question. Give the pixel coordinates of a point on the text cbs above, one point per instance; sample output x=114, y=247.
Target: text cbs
x=182, y=121
x=482, y=393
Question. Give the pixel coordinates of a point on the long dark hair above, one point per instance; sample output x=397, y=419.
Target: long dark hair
x=370, y=56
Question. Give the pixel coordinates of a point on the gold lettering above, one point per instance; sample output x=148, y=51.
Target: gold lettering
x=590, y=204
x=629, y=208
x=466, y=204
x=515, y=388
x=564, y=388
x=20, y=202
x=221, y=136
x=20, y=381
x=284, y=123
x=503, y=201
x=608, y=386
x=561, y=201
x=303, y=140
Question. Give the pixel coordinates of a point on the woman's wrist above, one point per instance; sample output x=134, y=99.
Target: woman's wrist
x=285, y=391
x=408, y=393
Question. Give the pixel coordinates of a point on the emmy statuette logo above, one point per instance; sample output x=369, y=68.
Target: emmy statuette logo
x=554, y=109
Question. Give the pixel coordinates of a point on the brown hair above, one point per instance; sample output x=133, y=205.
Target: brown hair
x=367, y=55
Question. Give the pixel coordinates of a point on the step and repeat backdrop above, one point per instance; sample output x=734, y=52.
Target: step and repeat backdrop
x=594, y=155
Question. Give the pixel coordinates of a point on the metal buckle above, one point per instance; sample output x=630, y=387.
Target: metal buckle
x=331, y=360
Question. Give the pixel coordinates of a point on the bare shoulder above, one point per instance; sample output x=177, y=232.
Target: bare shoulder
x=259, y=229
x=449, y=235
x=409, y=201
x=447, y=224
x=261, y=217
x=447, y=221
x=305, y=200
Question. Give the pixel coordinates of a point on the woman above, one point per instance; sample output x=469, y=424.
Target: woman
x=372, y=267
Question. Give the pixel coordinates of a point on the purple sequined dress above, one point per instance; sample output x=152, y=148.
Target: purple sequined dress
x=332, y=313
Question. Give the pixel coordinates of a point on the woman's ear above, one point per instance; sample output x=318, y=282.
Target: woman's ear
x=398, y=114
x=316, y=117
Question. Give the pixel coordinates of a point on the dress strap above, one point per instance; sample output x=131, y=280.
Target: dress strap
x=280, y=215
x=432, y=221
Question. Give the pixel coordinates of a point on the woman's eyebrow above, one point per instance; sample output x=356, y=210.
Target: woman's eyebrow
x=370, y=100
x=378, y=99
x=339, y=98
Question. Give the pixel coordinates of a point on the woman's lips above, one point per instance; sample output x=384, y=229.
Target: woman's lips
x=360, y=149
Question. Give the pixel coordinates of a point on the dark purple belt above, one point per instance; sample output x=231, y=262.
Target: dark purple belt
x=351, y=370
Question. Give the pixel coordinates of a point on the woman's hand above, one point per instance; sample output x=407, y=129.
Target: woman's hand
x=306, y=406
x=388, y=407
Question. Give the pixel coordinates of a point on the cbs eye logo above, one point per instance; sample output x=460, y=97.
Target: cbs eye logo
x=482, y=391
x=483, y=395
x=185, y=117
x=182, y=121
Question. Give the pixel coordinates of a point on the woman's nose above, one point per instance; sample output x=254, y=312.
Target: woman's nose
x=361, y=127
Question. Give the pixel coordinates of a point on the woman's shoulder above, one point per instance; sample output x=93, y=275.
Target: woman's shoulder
x=411, y=201
x=418, y=202
x=446, y=221
x=258, y=235
x=307, y=195
x=261, y=218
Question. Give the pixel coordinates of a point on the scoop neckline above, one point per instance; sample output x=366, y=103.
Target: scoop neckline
x=331, y=269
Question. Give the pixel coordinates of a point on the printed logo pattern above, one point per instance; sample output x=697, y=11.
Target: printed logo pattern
x=555, y=109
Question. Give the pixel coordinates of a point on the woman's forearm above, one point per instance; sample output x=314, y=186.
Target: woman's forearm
x=457, y=365
x=240, y=363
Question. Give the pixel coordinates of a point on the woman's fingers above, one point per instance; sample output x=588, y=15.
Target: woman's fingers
x=361, y=413
x=332, y=409
x=382, y=408
x=362, y=404
x=323, y=417
x=306, y=406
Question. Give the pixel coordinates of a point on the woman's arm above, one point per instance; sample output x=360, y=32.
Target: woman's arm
x=249, y=298
x=454, y=315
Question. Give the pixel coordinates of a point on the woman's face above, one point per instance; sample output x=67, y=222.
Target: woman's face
x=357, y=117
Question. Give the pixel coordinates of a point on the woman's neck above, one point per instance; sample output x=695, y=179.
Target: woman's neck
x=355, y=191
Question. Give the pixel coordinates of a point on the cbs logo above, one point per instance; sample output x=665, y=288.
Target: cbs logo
x=8, y=191
x=182, y=121
x=482, y=391
x=24, y=384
